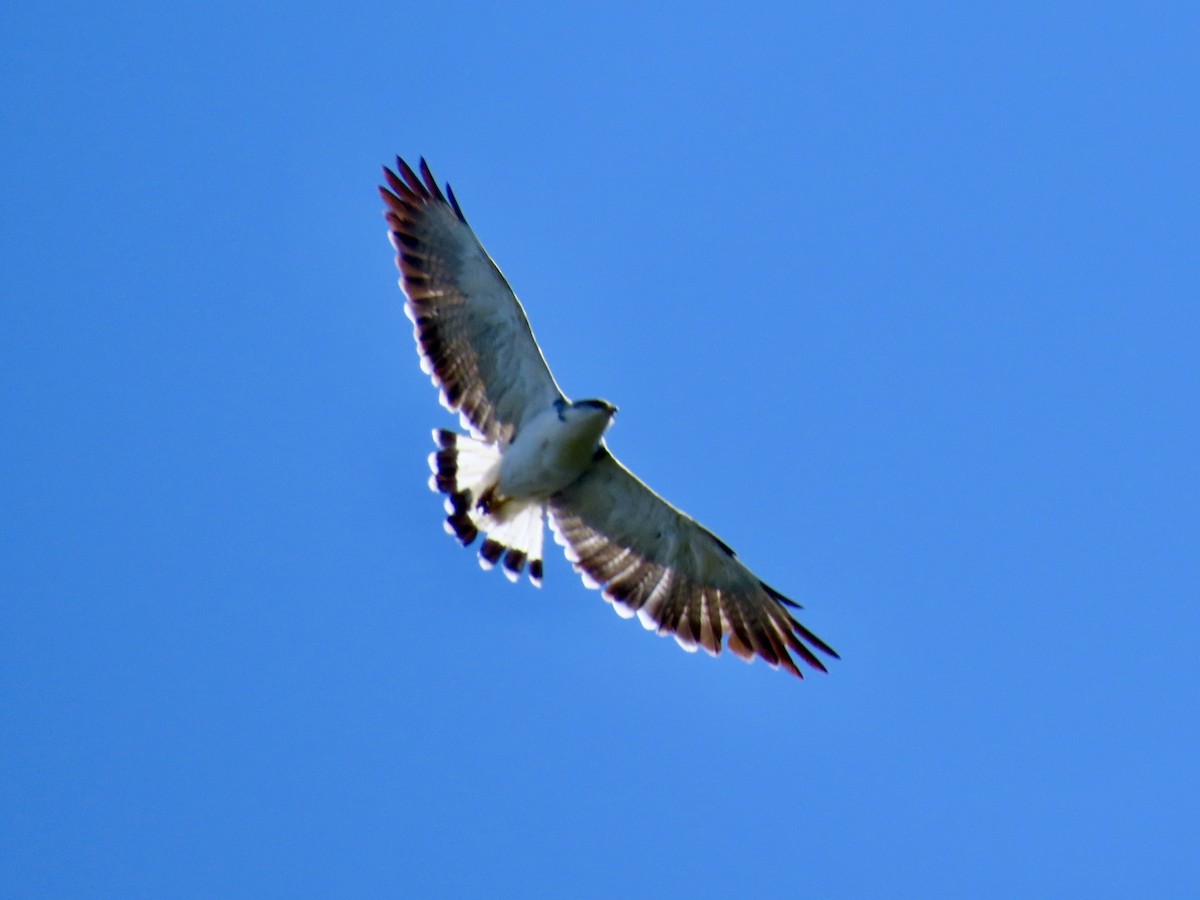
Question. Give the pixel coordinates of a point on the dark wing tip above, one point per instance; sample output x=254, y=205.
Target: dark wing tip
x=394, y=181
x=430, y=182
x=416, y=188
x=798, y=636
x=454, y=204
x=773, y=633
x=775, y=595
x=816, y=642
x=411, y=180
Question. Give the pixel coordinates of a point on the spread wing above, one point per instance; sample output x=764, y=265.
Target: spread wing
x=675, y=575
x=474, y=339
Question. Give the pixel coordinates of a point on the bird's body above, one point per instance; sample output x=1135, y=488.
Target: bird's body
x=533, y=454
x=553, y=449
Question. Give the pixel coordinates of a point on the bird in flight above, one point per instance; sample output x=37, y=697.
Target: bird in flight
x=533, y=454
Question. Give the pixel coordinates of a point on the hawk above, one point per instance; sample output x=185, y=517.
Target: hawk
x=532, y=454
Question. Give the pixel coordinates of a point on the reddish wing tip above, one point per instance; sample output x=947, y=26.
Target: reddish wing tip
x=431, y=182
x=411, y=179
x=394, y=181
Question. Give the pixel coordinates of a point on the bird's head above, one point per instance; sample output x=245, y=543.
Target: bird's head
x=587, y=418
x=593, y=407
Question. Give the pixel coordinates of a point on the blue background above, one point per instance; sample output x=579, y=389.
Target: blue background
x=899, y=299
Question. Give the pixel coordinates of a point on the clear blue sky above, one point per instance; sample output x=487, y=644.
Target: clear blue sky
x=903, y=301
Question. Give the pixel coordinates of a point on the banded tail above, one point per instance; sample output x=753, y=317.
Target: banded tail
x=467, y=471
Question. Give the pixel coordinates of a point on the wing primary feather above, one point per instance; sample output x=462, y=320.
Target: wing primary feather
x=797, y=627
x=454, y=204
x=431, y=182
x=806, y=654
x=775, y=595
x=760, y=640
x=398, y=188
x=815, y=641
x=782, y=637
x=416, y=188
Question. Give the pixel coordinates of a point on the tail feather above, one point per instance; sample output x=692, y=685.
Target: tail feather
x=514, y=542
x=467, y=469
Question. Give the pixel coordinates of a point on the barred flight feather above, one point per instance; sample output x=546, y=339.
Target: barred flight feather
x=692, y=586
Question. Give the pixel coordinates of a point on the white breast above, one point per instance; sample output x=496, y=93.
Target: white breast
x=551, y=451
